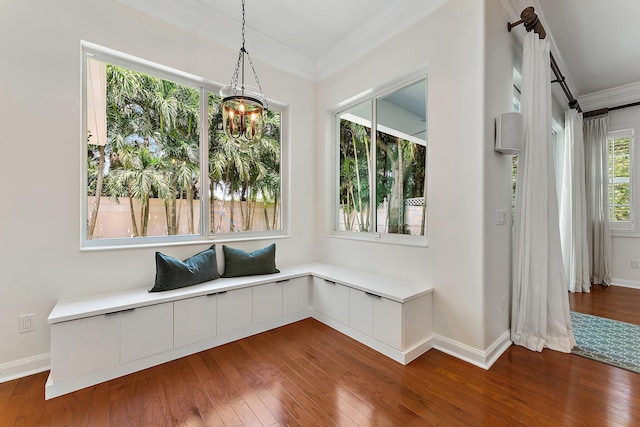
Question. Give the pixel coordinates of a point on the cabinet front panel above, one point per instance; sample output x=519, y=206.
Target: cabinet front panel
x=234, y=310
x=387, y=322
x=86, y=345
x=267, y=302
x=417, y=321
x=194, y=320
x=295, y=295
x=146, y=331
x=361, y=312
x=331, y=299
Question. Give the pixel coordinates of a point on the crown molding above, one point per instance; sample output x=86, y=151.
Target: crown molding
x=512, y=8
x=554, y=50
x=613, y=97
x=387, y=23
x=195, y=16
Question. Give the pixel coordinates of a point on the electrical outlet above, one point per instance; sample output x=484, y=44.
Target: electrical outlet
x=26, y=323
x=502, y=303
x=635, y=263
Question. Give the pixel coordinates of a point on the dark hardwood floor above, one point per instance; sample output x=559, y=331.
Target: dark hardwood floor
x=310, y=375
x=612, y=302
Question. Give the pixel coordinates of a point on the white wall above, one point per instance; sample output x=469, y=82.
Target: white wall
x=503, y=53
x=450, y=42
x=625, y=246
x=41, y=147
x=467, y=181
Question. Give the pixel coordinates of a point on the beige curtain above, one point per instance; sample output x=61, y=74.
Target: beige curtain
x=540, y=316
x=596, y=131
x=96, y=102
x=573, y=206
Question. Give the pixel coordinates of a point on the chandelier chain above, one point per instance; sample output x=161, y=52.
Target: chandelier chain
x=257, y=81
x=236, y=71
x=243, y=22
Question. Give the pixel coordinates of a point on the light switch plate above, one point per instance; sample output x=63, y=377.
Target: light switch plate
x=501, y=217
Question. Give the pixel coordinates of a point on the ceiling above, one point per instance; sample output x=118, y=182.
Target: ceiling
x=312, y=39
x=599, y=41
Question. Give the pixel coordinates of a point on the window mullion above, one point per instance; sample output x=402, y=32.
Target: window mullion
x=205, y=219
x=373, y=192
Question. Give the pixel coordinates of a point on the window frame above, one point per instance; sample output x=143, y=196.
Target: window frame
x=372, y=95
x=625, y=227
x=205, y=87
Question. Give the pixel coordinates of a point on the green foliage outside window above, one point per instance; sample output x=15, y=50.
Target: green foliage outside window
x=400, y=172
x=152, y=152
x=619, y=179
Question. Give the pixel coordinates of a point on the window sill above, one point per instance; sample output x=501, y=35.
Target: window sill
x=392, y=239
x=625, y=233
x=117, y=244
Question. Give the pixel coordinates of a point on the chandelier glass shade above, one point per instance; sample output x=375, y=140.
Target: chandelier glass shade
x=242, y=114
x=243, y=106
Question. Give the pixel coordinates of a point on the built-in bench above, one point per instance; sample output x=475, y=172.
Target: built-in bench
x=101, y=337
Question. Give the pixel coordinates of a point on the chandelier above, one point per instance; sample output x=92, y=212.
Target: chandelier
x=242, y=105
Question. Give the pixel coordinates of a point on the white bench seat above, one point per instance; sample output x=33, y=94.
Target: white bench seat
x=99, y=337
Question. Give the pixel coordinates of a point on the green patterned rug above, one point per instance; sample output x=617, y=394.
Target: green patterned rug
x=607, y=341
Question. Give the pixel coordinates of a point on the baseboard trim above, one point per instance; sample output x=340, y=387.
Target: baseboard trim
x=498, y=347
x=24, y=367
x=482, y=359
x=404, y=357
x=625, y=283
x=55, y=388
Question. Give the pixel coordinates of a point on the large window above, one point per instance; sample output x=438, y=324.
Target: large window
x=381, y=174
x=620, y=145
x=160, y=169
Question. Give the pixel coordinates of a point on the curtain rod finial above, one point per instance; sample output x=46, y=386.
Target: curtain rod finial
x=530, y=21
x=574, y=104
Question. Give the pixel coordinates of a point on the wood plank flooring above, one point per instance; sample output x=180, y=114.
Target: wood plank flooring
x=613, y=302
x=307, y=374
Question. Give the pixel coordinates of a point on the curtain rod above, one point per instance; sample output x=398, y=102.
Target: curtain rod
x=606, y=110
x=532, y=22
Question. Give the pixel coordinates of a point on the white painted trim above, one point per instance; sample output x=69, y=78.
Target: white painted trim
x=512, y=9
x=58, y=388
x=194, y=16
x=385, y=129
x=482, y=359
x=374, y=32
x=24, y=367
x=625, y=283
x=403, y=357
x=188, y=15
x=613, y=97
x=498, y=347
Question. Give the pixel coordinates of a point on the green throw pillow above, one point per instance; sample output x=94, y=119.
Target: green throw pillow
x=241, y=263
x=171, y=273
